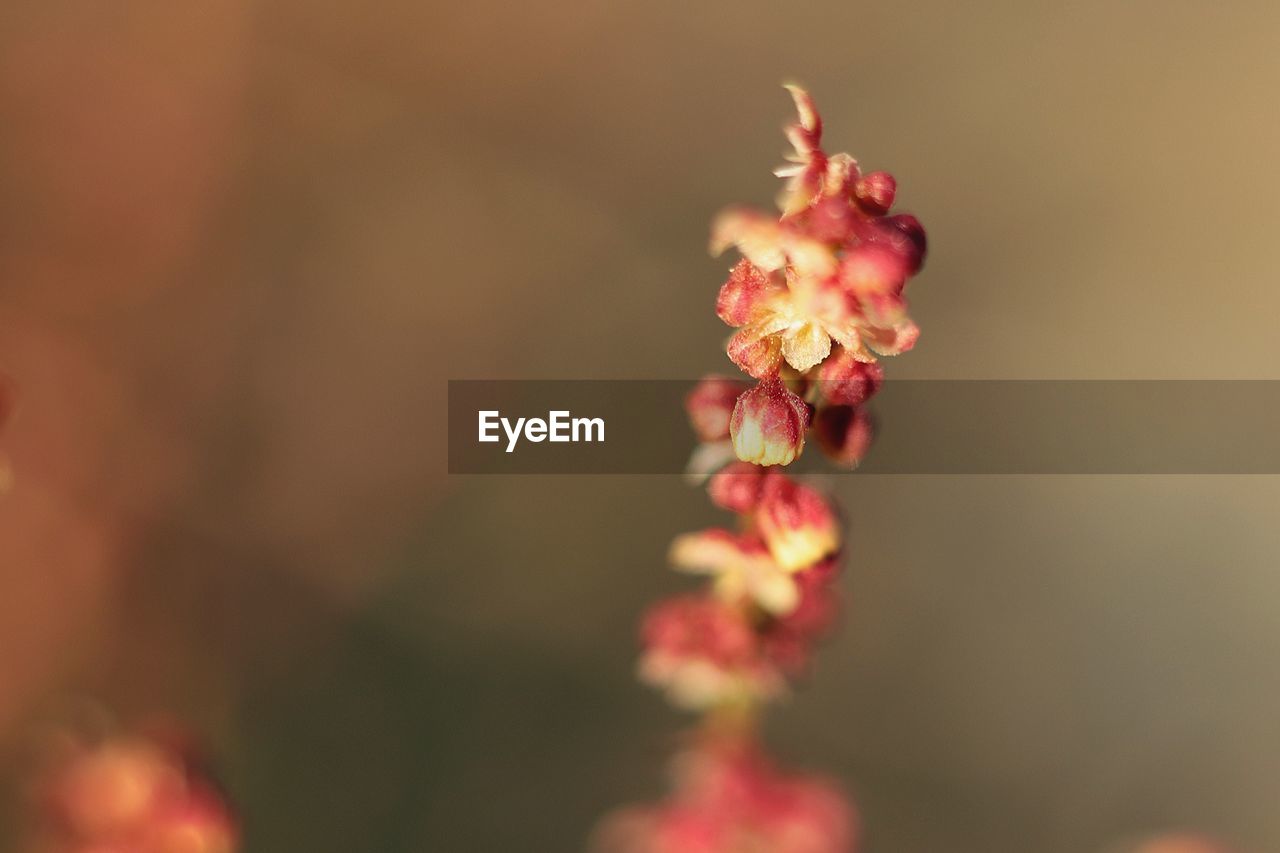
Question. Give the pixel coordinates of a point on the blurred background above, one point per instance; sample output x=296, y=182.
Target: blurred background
x=244, y=244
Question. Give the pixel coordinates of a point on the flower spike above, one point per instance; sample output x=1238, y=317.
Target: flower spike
x=816, y=296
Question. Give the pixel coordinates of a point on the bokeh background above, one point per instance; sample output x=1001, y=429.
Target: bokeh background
x=244, y=244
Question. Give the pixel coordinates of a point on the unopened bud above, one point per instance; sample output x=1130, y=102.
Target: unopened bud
x=710, y=405
x=768, y=424
x=913, y=232
x=875, y=192
x=847, y=381
x=873, y=276
x=737, y=487
x=844, y=433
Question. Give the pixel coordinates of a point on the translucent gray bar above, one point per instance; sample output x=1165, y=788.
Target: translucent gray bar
x=924, y=427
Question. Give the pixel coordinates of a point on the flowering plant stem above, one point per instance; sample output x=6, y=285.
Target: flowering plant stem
x=816, y=298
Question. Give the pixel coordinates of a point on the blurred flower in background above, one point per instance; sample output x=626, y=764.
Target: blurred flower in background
x=128, y=793
x=727, y=797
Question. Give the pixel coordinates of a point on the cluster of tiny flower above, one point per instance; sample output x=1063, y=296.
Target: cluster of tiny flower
x=727, y=796
x=771, y=595
x=725, y=650
x=818, y=294
x=131, y=794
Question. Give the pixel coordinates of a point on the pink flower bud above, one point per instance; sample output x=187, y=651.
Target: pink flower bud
x=737, y=487
x=845, y=380
x=702, y=627
x=875, y=192
x=702, y=652
x=797, y=523
x=873, y=276
x=844, y=433
x=901, y=232
x=768, y=424
x=710, y=405
x=744, y=294
x=911, y=229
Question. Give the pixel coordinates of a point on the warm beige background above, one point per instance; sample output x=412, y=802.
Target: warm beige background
x=243, y=244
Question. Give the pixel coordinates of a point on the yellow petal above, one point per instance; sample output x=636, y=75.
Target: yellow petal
x=773, y=589
x=805, y=346
x=758, y=238
x=705, y=552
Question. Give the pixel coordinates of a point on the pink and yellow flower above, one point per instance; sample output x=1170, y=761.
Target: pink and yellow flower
x=798, y=525
x=703, y=652
x=741, y=566
x=817, y=295
x=833, y=267
x=728, y=798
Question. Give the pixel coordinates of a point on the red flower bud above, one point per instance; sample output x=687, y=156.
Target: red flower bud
x=901, y=232
x=873, y=276
x=694, y=626
x=710, y=405
x=703, y=651
x=797, y=523
x=875, y=192
x=768, y=424
x=911, y=229
x=742, y=296
x=847, y=381
x=737, y=487
x=844, y=433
